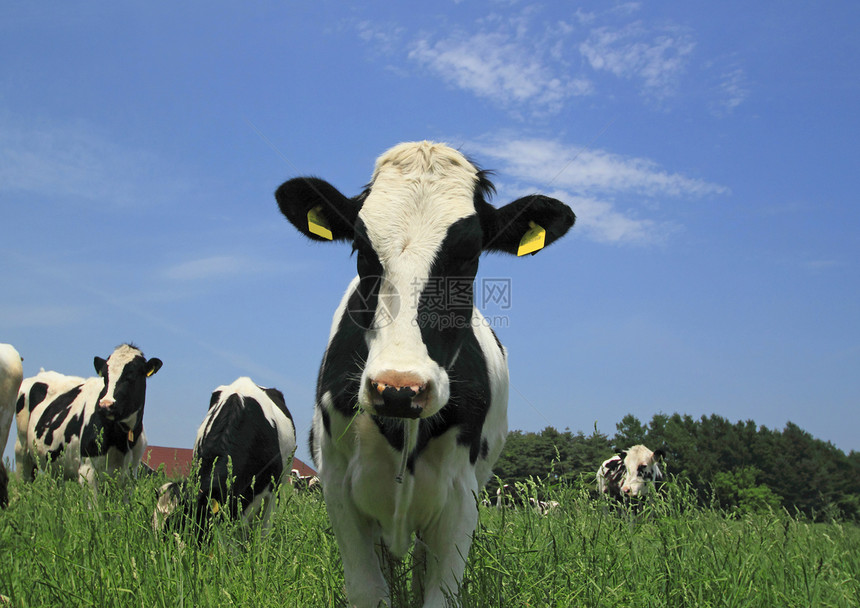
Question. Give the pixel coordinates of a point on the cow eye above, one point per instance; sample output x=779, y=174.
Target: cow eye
x=367, y=264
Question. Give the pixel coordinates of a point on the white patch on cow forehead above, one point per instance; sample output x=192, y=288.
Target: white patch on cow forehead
x=123, y=355
x=636, y=455
x=418, y=191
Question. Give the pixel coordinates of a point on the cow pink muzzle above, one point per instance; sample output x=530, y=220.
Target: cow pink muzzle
x=398, y=394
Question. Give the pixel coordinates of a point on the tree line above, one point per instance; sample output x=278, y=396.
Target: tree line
x=738, y=467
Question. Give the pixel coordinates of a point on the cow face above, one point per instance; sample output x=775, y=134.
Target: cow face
x=641, y=470
x=418, y=231
x=125, y=373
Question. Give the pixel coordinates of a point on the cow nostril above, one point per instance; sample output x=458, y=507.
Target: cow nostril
x=405, y=383
x=381, y=387
x=106, y=402
x=398, y=394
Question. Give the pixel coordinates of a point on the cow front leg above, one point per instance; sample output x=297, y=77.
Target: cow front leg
x=25, y=465
x=444, y=548
x=357, y=539
x=88, y=472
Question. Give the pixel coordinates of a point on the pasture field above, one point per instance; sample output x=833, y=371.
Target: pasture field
x=57, y=549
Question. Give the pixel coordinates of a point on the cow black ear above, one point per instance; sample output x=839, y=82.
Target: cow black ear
x=659, y=454
x=215, y=398
x=317, y=209
x=525, y=225
x=99, y=364
x=152, y=366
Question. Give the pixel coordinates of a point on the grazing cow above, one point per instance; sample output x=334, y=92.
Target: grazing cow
x=11, y=374
x=631, y=472
x=509, y=496
x=411, y=403
x=304, y=483
x=244, y=448
x=83, y=427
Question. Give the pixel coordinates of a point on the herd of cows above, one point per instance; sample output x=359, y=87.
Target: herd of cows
x=411, y=400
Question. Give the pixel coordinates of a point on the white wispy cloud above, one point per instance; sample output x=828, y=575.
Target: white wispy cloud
x=592, y=182
x=501, y=67
x=587, y=171
x=41, y=316
x=600, y=221
x=533, y=61
x=72, y=160
x=655, y=58
x=211, y=267
x=733, y=90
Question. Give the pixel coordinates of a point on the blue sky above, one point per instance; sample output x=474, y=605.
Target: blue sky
x=708, y=149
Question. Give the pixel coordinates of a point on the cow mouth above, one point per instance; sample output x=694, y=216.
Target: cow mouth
x=398, y=401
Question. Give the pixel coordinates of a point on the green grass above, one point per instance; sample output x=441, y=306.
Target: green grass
x=57, y=549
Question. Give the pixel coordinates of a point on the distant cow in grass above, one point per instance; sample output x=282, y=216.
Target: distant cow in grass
x=304, y=483
x=509, y=496
x=11, y=374
x=244, y=451
x=630, y=473
x=411, y=403
x=82, y=427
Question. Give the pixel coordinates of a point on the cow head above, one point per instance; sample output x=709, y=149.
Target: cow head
x=418, y=231
x=641, y=470
x=125, y=373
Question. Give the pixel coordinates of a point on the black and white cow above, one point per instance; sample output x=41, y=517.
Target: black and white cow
x=82, y=427
x=509, y=496
x=411, y=404
x=630, y=473
x=11, y=374
x=244, y=450
x=304, y=483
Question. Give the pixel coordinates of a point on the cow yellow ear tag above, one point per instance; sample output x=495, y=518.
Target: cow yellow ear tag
x=317, y=224
x=533, y=240
x=131, y=435
x=216, y=506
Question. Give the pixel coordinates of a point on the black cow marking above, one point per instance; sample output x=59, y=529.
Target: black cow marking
x=55, y=415
x=37, y=395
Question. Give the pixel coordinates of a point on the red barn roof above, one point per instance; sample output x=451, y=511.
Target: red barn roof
x=177, y=461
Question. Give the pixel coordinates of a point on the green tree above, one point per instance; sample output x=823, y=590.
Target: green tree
x=630, y=431
x=737, y=491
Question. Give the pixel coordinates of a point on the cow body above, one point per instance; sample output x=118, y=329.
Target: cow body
x=244, y=449
x=11, y=374
x=80, y=427
x=630, y=473
x=411, y=403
